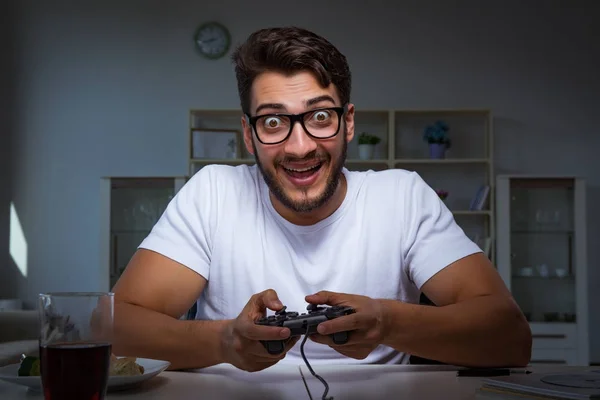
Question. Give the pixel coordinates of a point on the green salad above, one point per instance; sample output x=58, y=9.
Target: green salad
x=30, y=366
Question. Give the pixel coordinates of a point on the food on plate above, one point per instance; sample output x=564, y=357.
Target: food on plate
x=124, y=366
x=30, y=366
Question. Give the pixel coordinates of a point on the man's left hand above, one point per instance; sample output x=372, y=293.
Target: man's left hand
x=366, y=327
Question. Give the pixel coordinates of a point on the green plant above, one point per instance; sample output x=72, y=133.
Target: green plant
x=366, y=138
x=437, y=133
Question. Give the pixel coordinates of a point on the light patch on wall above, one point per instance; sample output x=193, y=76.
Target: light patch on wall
x=18, y=244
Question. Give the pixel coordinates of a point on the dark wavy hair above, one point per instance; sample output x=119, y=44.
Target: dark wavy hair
x=289, y=50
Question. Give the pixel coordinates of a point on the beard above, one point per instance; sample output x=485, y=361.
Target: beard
x=306, y=205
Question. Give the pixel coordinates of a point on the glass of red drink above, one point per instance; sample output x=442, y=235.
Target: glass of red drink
x=75, y=344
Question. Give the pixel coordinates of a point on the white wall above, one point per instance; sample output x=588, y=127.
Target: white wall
x=104, y=89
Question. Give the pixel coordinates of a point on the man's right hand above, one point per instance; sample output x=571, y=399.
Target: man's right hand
x=241, y=342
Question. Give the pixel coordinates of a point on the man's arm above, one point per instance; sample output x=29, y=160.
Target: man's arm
x=476, y=322
x=150, y=296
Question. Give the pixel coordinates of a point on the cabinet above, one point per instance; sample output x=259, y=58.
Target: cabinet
x=464, y=172
x=130, y=208
x=542, y=257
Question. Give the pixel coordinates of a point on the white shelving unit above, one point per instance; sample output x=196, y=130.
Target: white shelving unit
x=542, y=257
x=468, y=164
x=130, y=208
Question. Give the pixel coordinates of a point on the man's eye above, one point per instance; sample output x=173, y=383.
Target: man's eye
x=321, y=116
x=272, y=122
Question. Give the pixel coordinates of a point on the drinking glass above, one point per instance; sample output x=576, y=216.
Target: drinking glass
x=75, y=344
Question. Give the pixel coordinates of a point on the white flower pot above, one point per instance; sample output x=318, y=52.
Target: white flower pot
x=365, y=151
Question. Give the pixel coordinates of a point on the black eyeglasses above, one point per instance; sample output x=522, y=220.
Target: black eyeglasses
x=321, y=123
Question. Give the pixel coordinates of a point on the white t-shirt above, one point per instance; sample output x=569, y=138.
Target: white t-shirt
x=390, y=235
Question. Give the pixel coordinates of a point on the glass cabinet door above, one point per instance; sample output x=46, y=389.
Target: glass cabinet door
x=135, y=204
x=542, y=256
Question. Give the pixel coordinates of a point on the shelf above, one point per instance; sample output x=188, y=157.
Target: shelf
x=232, y=161
x=549, y=323
x=441, y=161
x=550, y=277
x=541, y=221
x=356, y=161
x=238, y=161
x=446, y=112
x=130, y=231
x=555, y=328
x=542, y=232
x=469, y=212
x=366, y=162
x=131, y=206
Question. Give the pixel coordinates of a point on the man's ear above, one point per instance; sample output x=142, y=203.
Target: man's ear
x=349, y=120
x=247, y=132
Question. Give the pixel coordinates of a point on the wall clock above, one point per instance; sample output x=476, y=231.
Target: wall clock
x=212, y=40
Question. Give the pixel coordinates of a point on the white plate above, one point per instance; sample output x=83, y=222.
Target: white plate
x=152, y=368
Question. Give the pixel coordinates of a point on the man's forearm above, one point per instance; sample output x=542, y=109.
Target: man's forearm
x=186, y=344
x=487, y=331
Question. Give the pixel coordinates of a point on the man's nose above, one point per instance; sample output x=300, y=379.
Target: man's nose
x=299, y=144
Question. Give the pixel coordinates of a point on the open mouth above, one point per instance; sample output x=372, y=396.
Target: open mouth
x=303, y=175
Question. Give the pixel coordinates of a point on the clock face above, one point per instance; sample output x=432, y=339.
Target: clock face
x=212, y=40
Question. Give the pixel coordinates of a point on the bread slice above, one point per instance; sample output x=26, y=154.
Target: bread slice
x=125, y=366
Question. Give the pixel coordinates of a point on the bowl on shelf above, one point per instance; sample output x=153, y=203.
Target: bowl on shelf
x=561, y=272
x=525, y=271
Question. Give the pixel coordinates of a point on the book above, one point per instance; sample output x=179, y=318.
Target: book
x=573, y=386
x=479, y=201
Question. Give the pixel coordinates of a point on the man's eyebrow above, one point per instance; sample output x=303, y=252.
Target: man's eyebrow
x=276, y=106
x=319, y=99
x=308, y=103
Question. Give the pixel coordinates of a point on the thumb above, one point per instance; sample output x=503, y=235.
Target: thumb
x=267, y=299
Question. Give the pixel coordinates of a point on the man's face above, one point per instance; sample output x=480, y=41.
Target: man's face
x=302, y=172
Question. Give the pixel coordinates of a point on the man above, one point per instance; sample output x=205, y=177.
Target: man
x=299, y=228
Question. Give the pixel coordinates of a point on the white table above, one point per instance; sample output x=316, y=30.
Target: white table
x=222, y=382
x=421, y=382
x=218, y=382
x=291, y=382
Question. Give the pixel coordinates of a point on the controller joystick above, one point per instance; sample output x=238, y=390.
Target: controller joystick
x=282, y=311
x=306, y=323
x=312, y=307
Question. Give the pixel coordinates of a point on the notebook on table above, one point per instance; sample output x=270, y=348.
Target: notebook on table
x=574, y=386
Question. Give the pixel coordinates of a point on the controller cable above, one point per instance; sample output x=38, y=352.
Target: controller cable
x=313, y=372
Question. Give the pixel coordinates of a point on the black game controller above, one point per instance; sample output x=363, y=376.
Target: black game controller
x=305, y=323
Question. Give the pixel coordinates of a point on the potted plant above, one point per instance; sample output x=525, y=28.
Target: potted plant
x=442, y=194
x=366, y=145
x=437, y=137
